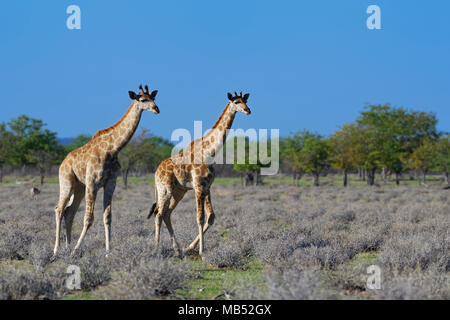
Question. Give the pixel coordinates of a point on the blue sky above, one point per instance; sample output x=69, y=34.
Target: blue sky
x=306, y=64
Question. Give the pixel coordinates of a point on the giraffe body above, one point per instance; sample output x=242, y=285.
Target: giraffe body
x=192, y=169
x=94, y=166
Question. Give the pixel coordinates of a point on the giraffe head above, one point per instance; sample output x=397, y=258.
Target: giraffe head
x=145, y=100
x=239, y=102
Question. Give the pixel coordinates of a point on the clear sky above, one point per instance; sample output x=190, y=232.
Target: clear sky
x=306, y=64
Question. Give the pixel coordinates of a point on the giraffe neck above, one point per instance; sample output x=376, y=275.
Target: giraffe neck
x=216, y=137
x=121, y=132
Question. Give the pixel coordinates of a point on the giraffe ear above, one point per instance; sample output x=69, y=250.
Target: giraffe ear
x=245, y=97
x=153, y=94
x=230, y=96
x=132, y=95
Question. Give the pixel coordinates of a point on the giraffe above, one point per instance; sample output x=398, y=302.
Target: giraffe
x=189, y=170
x=95, y=165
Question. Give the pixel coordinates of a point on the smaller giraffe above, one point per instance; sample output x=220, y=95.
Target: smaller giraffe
x=190, y=169
x=95, y=165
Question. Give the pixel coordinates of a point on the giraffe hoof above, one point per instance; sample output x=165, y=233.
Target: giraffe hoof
x=192, y=254
x=188, y=251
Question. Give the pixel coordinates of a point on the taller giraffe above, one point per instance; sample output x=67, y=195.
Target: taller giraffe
x=190, y=169
x=95, y=165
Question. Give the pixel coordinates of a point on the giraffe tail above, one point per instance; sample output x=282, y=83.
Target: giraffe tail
x=152, y=210
x=154, y=206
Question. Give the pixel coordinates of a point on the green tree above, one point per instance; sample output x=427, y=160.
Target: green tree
x=389, y=136
x=314, y=155
x=43, y=151
x=423, y=157
x=33, y=144
x=156, y=150
x=143, y=153
x=344, y=149
x=290, y=148
x=77, y=142
x=376, y=141
x=443, y=157
x=128, y=158
x=249, y=157
x=415, y=126
x=22, y=128
x=7, y=148
x=243, y=163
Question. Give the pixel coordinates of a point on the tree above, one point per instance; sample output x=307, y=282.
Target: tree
x=415, y=126
x=23, y=127
x=243, y=163
x=314, y=155
x=77, y=142
x=248, y=157
x=389, y=137
x=128, y=158
x=143, y=153
x=443, y=157
x=156, y=150
x=33, y=144
x=377, y=140
x=43, y=151
x=290, y=148
x=344, y=149
x=7, y=148
x=424, y=157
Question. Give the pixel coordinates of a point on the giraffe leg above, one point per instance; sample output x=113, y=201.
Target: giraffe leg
x=168, y=224
x=65, y=193
x=107, y=215
x=91, y=194
x=209, y=220
x=66, y=190
x=177, y=195
x=78, y=195
x=200, y=204
x=163, y=207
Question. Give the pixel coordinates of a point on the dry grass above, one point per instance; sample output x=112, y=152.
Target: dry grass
x=310, y=243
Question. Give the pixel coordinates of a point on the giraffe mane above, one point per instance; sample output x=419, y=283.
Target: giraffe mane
x=221, y=116
x=111, y=128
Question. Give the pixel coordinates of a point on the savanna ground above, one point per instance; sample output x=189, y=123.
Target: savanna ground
x=275, y=241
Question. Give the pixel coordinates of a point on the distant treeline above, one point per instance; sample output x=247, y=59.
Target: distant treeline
x=25, y=142
x=383, y=139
